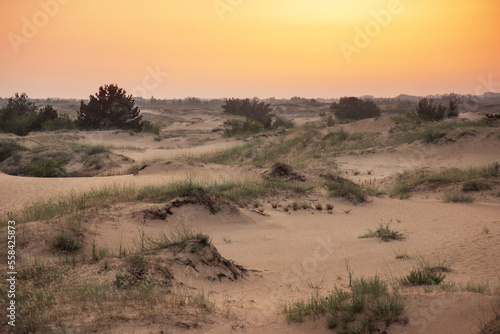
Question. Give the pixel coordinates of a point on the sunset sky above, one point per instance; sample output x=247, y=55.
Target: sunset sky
x=247, y=48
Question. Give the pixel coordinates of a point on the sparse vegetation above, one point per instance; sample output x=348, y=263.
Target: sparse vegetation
x=384, y=233
x=340, y=187
x=408, y=182
x=422, y=277
x=9, y=148
x=475, y=185
x=364, y=308
x=47, y=168
x=66, y=243
x=459, y=198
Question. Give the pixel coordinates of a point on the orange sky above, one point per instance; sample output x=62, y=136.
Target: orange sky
x=246, y=48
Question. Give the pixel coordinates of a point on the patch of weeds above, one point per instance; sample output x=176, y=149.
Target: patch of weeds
x=475, y=185
x=329, y=207
x=319, y=207
x=406, y=182
x=99, y=253
x=295, y=206
x=306, y=206
x=95, y=149
x=384, y=233
x=66, y=243
x=9, y=148
x=405, y=195
x=474, y=287
x=47, y=168
x=431, y=134
x=136, y=272
x=438, y=265
x=459, y=198
x=202, y=301
x=486, y=230
x=337, y=136
x=340, y=187
x=364, y=308
x=422, y=277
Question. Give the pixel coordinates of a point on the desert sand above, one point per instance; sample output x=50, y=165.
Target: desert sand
x=292, y=255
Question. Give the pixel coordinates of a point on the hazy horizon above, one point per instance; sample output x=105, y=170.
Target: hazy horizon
x=218, y=48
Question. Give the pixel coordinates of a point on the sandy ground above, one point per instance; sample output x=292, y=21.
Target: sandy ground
x=297, y=252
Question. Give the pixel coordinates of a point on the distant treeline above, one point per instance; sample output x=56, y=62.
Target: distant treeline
x=401, y=100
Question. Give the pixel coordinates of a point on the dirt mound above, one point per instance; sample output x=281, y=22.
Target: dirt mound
x=212, y=203
x=200, y=255
x=282, y=172
x=381, y=124
x=66, y=161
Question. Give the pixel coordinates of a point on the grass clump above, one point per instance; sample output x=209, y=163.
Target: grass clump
x=422, y=277
x=365, y=308
x=459, y=198
x=66, y=243
x=475, y=185
x=407, y=182
x=47, y=168
x=384, y=233
x=340, y=187
x=95, y=149
x=150, y=127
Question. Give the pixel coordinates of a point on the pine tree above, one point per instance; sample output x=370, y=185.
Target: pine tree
x=110, y=108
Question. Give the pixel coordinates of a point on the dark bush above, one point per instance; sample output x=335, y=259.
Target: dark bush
x=354, y=108
x=252, y=109
x=20, y=116
x=429, y=110
x=238, y=128
x=62, y=122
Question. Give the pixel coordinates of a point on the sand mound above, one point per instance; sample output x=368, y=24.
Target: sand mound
x=66, y=161
x=282, y=172
x=200, y=255
x=213, y=204
x=381, y=124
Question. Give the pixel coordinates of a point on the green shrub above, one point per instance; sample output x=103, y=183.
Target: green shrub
x=457, y=198
x=8, y=148
x=62, y=122
x=337, y=136
x=363, y=309
x=384, y=233
x=95, y=149
x=281, y=122
x=474, y=185
x=340, y=187
x=259, y=112
x=148, y=126
x=238, y=128
x=431, y=134
x=422, y=277
x=47, y=168
x=67, y=243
